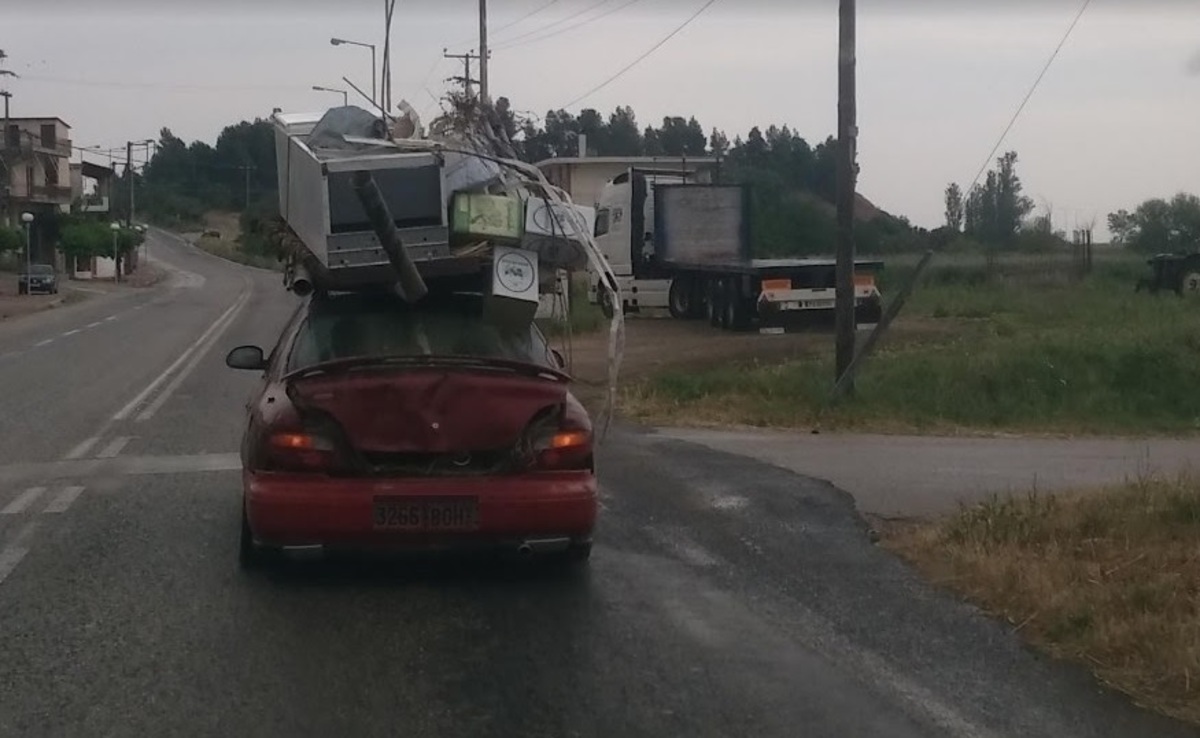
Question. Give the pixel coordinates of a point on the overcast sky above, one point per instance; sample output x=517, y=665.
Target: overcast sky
x=1115, y=121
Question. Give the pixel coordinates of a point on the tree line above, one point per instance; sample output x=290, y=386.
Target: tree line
x=1159, y=225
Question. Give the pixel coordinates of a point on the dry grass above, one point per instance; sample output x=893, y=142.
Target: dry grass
x=228, y=249
x=1109, y=579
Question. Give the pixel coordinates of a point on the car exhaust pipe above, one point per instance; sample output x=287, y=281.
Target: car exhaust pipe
x=302, y=281
x=543, y=545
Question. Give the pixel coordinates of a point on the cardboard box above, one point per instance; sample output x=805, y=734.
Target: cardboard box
x=512, y=301
x=493, y=217
x=558, y=233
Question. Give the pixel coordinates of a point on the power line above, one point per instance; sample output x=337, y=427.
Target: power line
x=511, y=45
x=1028, y=95
x=650, y=51
x=527, y=16
x=552, y=24
x=510, y=24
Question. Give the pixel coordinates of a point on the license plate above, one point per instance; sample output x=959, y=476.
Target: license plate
x=428, y=514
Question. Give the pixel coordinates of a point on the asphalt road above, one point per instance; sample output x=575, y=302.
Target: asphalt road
x=919, y=476
x=726, y=597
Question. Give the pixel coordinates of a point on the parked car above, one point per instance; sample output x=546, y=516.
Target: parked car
x=40, y=278
x=382, y=426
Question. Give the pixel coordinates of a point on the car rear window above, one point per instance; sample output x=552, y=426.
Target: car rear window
x=373, y=327
x=41, y=269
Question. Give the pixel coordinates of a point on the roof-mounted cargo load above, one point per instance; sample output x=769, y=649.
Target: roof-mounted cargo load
x=449, y=208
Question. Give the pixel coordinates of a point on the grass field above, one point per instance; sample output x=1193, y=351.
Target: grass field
x=1058, y=357
x=1109, y=579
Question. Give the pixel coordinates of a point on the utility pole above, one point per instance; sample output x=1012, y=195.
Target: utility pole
x=847, y=133
x=466, y=78
x=483, y=52
x=129, y=174
x=5, y=183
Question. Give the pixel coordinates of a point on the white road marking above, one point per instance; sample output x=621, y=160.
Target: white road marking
x=111, y=317
x=47, y=342
x=165, y=395
x=23, y=501
x=729, y=502
x=126, y=411
x=71, y=333
x=61, y=503
x=93, y=325
x=79, y=451
x=114, y=447
x=12, y=554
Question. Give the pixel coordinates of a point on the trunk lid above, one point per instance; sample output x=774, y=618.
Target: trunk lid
x=419, y=411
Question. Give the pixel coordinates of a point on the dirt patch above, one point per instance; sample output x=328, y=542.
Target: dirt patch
x=147, y=275
x=229, y=225
x=654, y=344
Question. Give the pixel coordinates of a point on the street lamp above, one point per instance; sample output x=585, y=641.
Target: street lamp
x=345, y=96
x=115, y=226
x=340, y=41
x=27, y=219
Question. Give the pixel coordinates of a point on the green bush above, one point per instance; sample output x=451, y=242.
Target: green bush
x=11, y=239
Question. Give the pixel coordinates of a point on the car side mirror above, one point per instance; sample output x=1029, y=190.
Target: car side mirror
x=246, y=357
x=558, y=358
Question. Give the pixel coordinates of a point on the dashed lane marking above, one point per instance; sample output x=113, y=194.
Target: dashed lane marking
x=64, y=500
x=23, y=501
x=12, y=554
x=81, y=450
x=114, y=447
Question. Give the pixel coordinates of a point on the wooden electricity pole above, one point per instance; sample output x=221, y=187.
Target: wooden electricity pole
x=847, y=133
x=483, y=52
x=466, y=80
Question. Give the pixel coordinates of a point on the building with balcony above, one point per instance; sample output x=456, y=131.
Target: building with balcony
x=91, y=187
x=37, y=167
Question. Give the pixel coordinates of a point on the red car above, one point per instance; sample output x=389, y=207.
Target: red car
x=386, y=426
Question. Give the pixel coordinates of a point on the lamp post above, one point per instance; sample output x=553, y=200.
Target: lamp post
x=115, y=226
x=345, y=96
x=27, y=219
x=374, y=86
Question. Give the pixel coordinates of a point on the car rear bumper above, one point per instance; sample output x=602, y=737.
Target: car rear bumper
x=297, y=511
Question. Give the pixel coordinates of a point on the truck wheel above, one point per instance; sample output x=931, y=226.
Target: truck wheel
x=714, y=303
x=737, y=317
x=679, y=299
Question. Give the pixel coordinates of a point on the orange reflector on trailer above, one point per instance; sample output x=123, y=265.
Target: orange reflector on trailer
x=864, y=280
x=776, y=285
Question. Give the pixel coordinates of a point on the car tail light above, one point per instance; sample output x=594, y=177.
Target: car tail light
x=301, y=451
x=563, y=441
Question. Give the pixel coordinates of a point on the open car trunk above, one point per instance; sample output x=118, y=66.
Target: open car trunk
x=428, y=420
